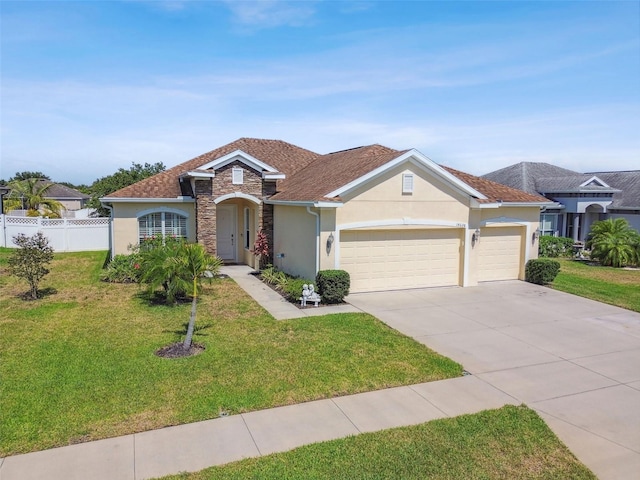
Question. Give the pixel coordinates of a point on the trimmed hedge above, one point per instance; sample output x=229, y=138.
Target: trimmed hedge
x=541, y=271
x=550, y=246
x=333, y=285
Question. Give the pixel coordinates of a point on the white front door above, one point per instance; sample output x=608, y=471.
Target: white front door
x=226, y=234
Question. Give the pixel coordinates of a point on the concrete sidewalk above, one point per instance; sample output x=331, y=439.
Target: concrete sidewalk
x=195, y=446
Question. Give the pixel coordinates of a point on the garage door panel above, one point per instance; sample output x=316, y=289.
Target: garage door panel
x=394, y=259
x=500, y=254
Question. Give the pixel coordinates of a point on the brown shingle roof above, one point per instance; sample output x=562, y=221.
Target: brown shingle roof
x=332, y=171
x=283, y=156
x=495, y=191
x=310, y=176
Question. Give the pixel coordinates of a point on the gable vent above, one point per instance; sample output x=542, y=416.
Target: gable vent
x=237, y=176
x=407, y=183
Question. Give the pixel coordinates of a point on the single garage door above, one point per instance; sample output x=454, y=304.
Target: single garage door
x=500, y=253
x=395, y=259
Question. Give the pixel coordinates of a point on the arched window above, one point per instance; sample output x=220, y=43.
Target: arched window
x=162, y=224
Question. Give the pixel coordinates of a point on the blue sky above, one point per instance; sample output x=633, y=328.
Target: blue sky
x=89, y=87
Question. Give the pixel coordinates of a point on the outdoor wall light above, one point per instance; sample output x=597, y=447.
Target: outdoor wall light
x=476, y=236
x=536, y=235
x=330, y=240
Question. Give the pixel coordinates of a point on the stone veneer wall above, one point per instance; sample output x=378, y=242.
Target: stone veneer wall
x=222, y=184
x=205, y=215
x=266, y=223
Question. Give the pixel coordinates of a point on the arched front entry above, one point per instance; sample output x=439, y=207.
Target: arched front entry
x=238, y=218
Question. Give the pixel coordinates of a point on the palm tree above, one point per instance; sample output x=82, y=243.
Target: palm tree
x=196, y=261
x=612, y=242
x=29, y=195
x=178, y=267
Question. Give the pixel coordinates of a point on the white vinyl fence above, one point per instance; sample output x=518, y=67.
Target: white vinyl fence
x=64, y=234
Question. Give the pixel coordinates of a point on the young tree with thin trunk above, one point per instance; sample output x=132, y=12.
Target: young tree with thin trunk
x=30, y=259
x=178, y=267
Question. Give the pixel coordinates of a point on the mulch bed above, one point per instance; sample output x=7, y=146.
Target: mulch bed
x=176, y=350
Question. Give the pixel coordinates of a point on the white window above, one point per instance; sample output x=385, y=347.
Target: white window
x=237, y=176
x=548, y=223
x=247, y=229
x=162, y=224
x=407, y=183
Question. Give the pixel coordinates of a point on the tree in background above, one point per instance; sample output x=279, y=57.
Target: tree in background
x=30, y=195
x=19, y=176
x=122, y=178
x=613, y=242
x=30, y=259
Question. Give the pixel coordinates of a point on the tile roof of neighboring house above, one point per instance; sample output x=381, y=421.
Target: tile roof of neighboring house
x=628, y=182
x=283, y=156
x=309, y=176
x=540, y=178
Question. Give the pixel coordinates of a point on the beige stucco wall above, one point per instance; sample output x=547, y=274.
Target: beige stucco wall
x=125, y=221
x=380, y=204
x=382, y=199
x=294, y=232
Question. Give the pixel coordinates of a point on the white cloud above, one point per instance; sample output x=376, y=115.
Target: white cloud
x=272, y=13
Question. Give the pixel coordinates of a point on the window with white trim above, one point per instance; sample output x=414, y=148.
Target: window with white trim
x=162, y=224
x=237, y=175
x=407, y=183
x=548, y=223
x=247, y=229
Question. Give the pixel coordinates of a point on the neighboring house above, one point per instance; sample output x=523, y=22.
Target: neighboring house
x=70, y=198
x=580, y=198
x=392, y=219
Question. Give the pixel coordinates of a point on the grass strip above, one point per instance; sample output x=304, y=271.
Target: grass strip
x=615, y=286
x=508, y=443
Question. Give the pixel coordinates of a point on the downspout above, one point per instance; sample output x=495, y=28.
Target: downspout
x=317, y=237
x=111, y=236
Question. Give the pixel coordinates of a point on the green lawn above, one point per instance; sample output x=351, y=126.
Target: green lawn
x=79, y=364
x=615, y=286
x=509, y=443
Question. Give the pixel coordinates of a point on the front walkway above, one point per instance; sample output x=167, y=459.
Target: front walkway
x=272, y=301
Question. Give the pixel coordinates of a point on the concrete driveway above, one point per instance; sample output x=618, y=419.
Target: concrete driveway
x=573, y=360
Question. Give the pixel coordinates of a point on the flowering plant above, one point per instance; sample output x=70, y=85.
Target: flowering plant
x=261, y=245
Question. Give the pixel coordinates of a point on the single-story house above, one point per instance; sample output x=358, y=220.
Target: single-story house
x=392, y=219
x=70, y=198
x=580, y=198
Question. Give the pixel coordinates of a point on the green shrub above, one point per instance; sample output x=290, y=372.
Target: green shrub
x=292, y=288
x=541, y=271
x=272, y=276
x=552, y=247
x=122, y=269
x=333, y=285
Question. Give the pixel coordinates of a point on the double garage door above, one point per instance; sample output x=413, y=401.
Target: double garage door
x=395, y=259
x=500, y=253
